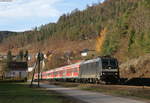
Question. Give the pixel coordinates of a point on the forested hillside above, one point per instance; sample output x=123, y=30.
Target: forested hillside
x=129, y=36
x=5, y=34
x=126, y=24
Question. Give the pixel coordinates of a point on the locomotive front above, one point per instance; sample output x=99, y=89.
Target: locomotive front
x=110, y=69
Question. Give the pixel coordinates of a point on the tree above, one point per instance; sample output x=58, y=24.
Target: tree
x=100, y=40
x=5, y=63
x=21, y=55
x=26, y=55
x=9, y=56
x=4, y=68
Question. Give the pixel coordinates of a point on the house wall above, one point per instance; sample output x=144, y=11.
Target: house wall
x=16, y=74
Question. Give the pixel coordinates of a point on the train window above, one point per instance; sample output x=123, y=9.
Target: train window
x=69, y=71
x=106, y=63
x=49, y=74
x=64, y=73
x=61, y=72
x=113, y=63
x=75, y=70
x=55, y=73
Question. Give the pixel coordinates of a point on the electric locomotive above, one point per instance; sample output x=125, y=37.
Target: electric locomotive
x=101, y=69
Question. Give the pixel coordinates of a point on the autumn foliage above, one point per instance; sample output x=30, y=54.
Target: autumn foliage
x=100, y=40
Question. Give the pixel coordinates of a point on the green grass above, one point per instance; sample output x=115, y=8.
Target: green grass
x=21, y=93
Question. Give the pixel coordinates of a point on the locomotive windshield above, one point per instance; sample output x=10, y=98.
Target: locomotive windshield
x=109, y=63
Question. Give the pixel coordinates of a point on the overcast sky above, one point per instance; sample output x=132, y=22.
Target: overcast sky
x=21, y=15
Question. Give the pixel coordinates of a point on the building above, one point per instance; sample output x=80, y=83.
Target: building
x=17, y=70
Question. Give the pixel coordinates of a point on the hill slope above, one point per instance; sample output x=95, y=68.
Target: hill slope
x=5, y=34
x=127, y=35
x=80, y=25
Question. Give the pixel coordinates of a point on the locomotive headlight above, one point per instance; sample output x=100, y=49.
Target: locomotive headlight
x=103, y=73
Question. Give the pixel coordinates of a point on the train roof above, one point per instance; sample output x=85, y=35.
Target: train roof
x=68, y=66
x=97, y=59
x=91, y=61
x=49, y=71
x=64, y=67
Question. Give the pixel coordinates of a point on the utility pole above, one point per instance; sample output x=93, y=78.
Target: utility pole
x=33, y=76
x=38, y=60
x=40, y=57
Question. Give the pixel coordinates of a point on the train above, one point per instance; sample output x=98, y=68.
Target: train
x=98, y=70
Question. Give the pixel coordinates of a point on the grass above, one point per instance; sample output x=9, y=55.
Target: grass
x=126, y=92
x=21, y=93
x=116, y=90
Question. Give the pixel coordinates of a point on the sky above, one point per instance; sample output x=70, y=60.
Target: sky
x=21, y=15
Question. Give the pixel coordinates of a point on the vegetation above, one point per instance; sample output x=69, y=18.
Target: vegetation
x=120, y=91
x=22, y=56
x=116, y=90
x=21, y=93
x=9, y=56
x=131, y=30
x=4, y=65
x=5, y=34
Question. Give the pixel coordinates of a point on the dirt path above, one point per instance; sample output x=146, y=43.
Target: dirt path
x=89, y=97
